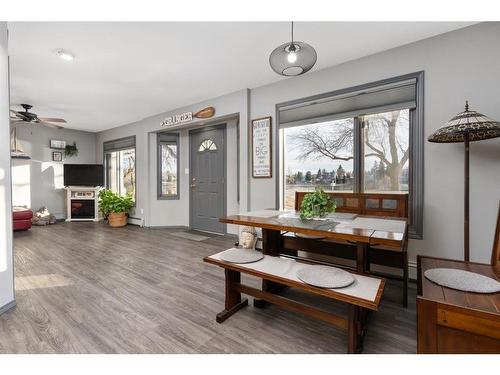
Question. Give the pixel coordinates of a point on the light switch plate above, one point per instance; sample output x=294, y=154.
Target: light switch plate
x=186, y=170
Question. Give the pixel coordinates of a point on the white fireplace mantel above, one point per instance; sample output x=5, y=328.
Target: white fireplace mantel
x=82, y=193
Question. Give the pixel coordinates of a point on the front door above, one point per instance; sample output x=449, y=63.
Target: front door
x=207, y=179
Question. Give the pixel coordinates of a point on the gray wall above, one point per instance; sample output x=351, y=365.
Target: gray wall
x=39, y=181
x=459, y=65
x=159, y=213
x=6, y=259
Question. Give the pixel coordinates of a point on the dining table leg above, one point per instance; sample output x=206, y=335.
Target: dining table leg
x=362, y=257
x=272, y=243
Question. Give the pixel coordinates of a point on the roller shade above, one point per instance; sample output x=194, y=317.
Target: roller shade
x=119, y=144
x=385, y=98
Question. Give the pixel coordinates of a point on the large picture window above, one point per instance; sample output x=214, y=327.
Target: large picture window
x=168, y=166
x=120, y=163
x=318, y=155
x=367, y=139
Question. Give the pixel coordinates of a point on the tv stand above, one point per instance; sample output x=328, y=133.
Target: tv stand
x=82, y=203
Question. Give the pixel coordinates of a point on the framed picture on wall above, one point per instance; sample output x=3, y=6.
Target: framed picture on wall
x=57, y=144
x=57, y=156
x=262, y=165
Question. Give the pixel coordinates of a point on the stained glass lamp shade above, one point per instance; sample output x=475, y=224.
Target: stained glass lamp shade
x=473, y=124
x=467, y=126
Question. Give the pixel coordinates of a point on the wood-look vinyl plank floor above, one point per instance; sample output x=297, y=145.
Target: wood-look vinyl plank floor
x=89, y=288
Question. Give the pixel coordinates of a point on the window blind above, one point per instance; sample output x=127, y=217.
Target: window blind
x=383, y=98
x=119, y=144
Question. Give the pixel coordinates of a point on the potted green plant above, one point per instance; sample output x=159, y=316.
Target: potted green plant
x=71, y=150
x=114, y=207
x=316, y=204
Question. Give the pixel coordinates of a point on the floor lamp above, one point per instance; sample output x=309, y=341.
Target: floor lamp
x=467, y=126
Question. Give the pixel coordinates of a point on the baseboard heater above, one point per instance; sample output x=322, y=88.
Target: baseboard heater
x=136, y=221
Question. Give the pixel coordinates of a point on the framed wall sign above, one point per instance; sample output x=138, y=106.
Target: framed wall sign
x=57, y=144
x=262, y=166
x=57, y=156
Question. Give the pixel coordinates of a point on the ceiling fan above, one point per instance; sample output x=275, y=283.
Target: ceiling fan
x=30, y=117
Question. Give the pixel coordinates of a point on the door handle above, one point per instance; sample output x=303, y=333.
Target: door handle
x=192, y=185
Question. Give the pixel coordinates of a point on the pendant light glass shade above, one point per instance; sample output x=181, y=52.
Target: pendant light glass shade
x=293, y=58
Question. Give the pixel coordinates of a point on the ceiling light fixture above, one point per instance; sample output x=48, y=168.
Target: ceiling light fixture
x=65, y=55
x=293, y=58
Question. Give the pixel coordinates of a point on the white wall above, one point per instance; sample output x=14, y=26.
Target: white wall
x=459, y=65
x=6, y=262
x=39, y=181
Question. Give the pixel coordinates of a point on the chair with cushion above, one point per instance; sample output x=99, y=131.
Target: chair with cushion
x=21, y=218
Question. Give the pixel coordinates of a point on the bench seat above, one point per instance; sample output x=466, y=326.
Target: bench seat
x=363, y=296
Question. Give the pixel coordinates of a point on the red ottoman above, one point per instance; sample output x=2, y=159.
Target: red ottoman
x=21, y=218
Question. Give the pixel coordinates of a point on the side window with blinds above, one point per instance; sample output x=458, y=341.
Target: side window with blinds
x=168, y=166
x=120, y=164
x=363, y=139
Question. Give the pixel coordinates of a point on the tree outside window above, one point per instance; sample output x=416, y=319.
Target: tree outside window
x=323, y=155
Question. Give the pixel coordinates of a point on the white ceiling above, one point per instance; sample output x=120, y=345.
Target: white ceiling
x=124, y=72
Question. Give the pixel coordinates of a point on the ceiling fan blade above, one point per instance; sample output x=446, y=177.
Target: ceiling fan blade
x=52, y=119
x=50, y=125
x=16, y=115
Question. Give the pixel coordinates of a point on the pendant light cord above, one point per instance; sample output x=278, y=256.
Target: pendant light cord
x=292, y=32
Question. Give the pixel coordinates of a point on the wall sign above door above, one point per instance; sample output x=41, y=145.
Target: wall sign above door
x=187, y=117
x=262, y=166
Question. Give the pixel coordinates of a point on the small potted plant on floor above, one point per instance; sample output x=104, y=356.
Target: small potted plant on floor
x=115, y=207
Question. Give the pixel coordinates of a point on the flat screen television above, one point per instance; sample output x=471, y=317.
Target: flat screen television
x=83, y=175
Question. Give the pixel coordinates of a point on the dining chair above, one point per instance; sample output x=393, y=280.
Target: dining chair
x=495, y=253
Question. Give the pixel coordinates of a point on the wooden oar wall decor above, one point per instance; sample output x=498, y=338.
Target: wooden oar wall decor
x=205, y=113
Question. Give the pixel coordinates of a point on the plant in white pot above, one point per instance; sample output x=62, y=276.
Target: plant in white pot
x=114, y=207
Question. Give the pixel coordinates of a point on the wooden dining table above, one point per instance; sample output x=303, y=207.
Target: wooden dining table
x=359, y=230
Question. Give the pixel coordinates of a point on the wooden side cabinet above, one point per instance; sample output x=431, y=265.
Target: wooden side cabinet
x=450, y=329
x=451, y=321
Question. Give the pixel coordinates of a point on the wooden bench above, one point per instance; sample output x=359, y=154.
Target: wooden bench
x=362, y=297
x=375, y=204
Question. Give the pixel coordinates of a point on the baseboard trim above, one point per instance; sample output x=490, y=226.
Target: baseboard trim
x=7, y=307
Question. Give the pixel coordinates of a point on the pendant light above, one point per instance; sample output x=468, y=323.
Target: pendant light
x=293, y=58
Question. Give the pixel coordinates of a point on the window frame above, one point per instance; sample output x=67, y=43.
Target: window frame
x=168, y=139
x=105, y=160
x=416, y=145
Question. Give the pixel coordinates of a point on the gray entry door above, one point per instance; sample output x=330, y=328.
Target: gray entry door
x=207, y=179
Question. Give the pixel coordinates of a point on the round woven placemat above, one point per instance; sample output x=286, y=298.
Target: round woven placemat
x=463, y=280
x=325, y=277
x=238, y=255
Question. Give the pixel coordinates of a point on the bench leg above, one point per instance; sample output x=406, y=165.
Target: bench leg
x=354, y=330
x=233, y=301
